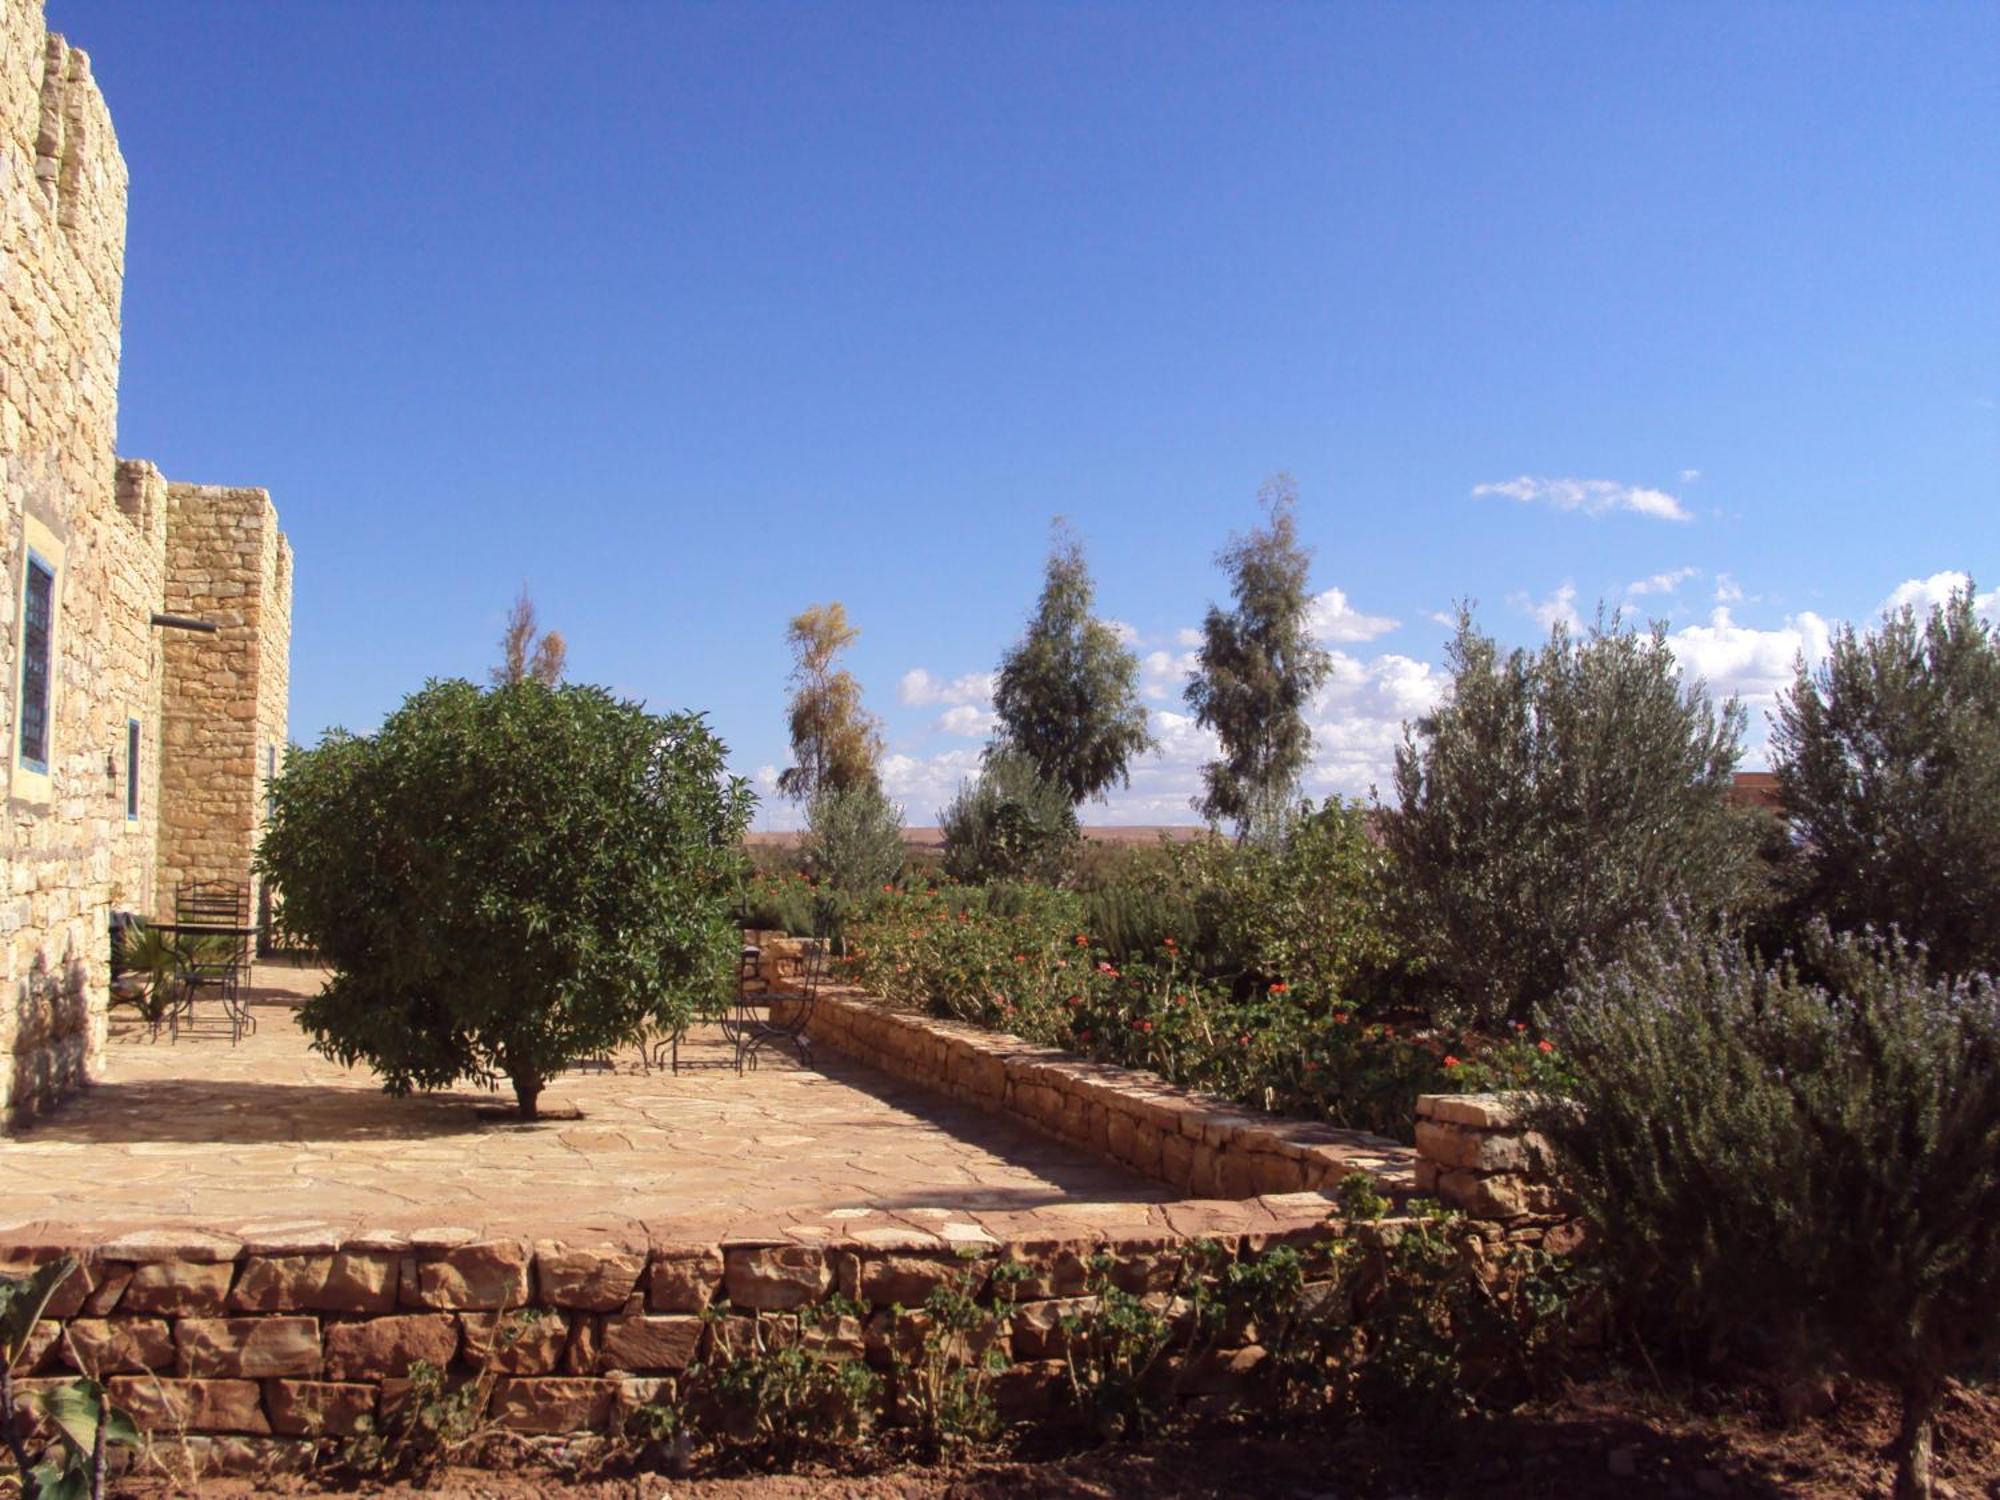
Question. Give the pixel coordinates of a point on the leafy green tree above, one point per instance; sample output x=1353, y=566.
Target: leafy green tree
x=526, y=651
x=1068, y=694
x=1808, y=1172
x=854, y=840
x=835, y=741
x=506, y=882
x=1009, y=824
x=1555, y=799
x=1258, y=667
x=1888, y=762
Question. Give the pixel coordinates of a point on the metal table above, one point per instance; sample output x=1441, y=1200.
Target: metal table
x=224, y=978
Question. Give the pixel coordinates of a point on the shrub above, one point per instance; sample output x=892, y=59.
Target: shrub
x=1555, y=800
x=1010, y=824
x=854, y=841
x=505, y=882
x=1888, y=761
x=1815, y=1167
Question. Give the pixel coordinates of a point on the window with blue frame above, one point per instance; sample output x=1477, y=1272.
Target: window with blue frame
x=131, y=770
x=38, y=625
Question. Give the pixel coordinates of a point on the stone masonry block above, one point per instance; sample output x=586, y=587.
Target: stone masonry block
x=178, y=1287
x=191, y=1405
x=590, y=1278
x=776, y=1277
x=319, y=1408
x=383, y=1347
x=683, y=1278
x=478, y=1277
x=248, y=1347
x=656, y=1342
x=553, y=1405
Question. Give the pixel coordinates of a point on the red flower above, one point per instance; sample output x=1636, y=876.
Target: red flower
x=1520, y=1025
x=1243, y=1040
x=1170, y=944
x=1083, y=1036
x=888, y=890
x=1450, y=1061
x=1545, y=1045
x=1020, y=958
x=1143, y=1025
x=1311, y=1066
x=1340, y=1018
x=1082, y=941
x=1104, y=968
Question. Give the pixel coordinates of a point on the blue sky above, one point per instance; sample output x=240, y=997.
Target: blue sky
x=689, y=316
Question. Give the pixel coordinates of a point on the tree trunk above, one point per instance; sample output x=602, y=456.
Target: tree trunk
x=527, y=1091
x=1913, y=1442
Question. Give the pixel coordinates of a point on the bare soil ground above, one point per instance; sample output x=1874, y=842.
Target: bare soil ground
x=1610, y=1438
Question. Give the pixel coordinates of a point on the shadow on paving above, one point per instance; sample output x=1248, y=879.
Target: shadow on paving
x=204, y=1111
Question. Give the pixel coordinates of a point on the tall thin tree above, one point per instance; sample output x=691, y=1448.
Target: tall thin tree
x=835, y=741
x=1068, y=693
x=1257, y=669
x=526, y=654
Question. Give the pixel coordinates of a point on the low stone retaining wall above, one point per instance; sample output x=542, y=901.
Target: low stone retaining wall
x=1198, y=1144
x=1478, y=1155
x=260, y=1351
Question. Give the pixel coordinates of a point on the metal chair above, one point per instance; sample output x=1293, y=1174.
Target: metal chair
x=753, y=1034
x=218, y=962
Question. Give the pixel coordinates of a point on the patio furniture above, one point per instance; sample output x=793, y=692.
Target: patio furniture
x=212, y=922
x=787, y=1013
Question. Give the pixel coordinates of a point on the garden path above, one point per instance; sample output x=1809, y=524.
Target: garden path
x=202, y=1135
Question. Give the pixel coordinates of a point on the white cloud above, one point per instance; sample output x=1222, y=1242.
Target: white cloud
x=1727, y=589
x=967, y=722
x=1690, y=476
x=925, y=784
x=1662, y=583
x=920, y=689
x=1925, y=594
x=1187, y=635
x=1128, y=634
x=1558, y=609
x=1594, y=497
x=1744, y=662
x=1162, y=674
x=1332, y=618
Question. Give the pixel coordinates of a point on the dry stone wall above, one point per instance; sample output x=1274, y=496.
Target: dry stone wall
x=108, y=530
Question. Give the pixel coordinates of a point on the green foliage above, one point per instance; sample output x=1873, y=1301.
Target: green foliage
x=1010, y=824
x=1888, y=761
x=1814, y=1168
x=835, y=741
x=1257, y=669
x=22, y=1299
x=854, y=841
x=946, y=1392
x=1068, y=694
x=787, y=902
x=1555, y=800
x=1114, y=1346
x=778, y=1405
x=86, y=1427
x=505, y=882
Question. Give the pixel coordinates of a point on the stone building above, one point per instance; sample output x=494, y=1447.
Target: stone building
x=134, y=754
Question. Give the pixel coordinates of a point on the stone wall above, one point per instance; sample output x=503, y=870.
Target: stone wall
x=1198, y=1144
x=256, y=1351
x=226, y=693
x=70, y=852
x=1478, y=1155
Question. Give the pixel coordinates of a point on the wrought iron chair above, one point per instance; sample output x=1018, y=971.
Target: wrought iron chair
x=218, y=962
x=788, y=1014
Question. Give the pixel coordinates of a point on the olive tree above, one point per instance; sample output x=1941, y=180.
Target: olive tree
x=506, y=882
x=1554, y=799
x=1011, y=823
x=1888, y=762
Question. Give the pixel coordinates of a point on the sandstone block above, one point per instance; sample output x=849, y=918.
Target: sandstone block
x=191, y=1405
x=382, y=1347
x=553, y=1405
x=683, y=1279
x=248, y=1347
x=776, y=1277
x=484, y=1276
x=178, y=1287
x=648, y=1342
x=1452, y=1145
x=346, y=1282
x=906, y=1281
x=525, y=1343
x=593, y=1279
x=319, y=1408
x=1030, y=1389
x=1482, y=1111
x=1500, y=1196
x=1037, y=1327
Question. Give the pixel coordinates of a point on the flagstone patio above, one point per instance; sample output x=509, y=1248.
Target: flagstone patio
x=198, y=1134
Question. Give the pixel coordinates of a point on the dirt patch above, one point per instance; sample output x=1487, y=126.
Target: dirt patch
x=1608, y=1438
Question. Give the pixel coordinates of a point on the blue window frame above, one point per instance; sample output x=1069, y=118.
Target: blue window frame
x=38, y=627
x=131, y=770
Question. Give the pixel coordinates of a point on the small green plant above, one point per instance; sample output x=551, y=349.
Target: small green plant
x=1114, y=1348
x=947, y=1391
x=85, y=1424
x=778, y=1404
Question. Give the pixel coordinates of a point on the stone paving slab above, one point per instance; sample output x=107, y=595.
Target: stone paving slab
x=269, y=1141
